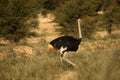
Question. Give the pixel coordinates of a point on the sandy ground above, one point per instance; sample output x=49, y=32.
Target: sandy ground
x=47, y=27
x=68, y=75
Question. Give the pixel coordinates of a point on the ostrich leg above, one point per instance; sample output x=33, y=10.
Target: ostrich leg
x=63, y=57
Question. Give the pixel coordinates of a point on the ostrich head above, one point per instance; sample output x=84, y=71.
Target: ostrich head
x=50, y=47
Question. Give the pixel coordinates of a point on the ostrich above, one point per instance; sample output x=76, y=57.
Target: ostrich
x=65, y=44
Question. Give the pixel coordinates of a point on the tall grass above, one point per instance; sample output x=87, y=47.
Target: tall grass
x=102, y=64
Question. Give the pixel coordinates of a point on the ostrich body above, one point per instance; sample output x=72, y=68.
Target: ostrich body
x=66, y=43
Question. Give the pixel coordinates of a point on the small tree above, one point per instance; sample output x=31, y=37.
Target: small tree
x=112, y=14
x=68, y=14
x=17, y=17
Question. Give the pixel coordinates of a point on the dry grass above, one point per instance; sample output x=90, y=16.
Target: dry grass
x=100, y=64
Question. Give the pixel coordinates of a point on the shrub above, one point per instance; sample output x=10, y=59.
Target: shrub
x=68, y=14
x=17, y=17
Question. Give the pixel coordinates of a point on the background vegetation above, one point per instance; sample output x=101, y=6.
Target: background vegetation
x=67, y=15
x=18, y=17
x=68, y=11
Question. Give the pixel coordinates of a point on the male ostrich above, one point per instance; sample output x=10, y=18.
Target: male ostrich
x=66, y=43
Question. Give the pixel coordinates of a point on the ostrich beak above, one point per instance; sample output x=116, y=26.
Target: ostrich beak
x=50, y=47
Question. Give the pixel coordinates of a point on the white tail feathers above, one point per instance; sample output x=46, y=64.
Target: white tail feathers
x=79, y=28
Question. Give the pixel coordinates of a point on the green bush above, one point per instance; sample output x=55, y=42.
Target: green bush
x=17, y=17
x=110, y=18
x=67, y=15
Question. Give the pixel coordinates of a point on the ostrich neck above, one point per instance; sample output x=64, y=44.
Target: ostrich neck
x=79, y=28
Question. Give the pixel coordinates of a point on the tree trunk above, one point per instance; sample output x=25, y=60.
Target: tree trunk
x=109, y=28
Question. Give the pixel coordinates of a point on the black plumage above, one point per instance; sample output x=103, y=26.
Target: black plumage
x=68, y=42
